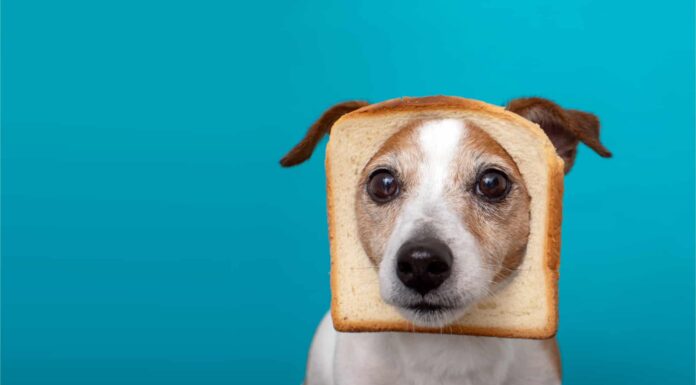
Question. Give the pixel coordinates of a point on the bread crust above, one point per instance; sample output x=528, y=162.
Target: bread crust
x=551, y=252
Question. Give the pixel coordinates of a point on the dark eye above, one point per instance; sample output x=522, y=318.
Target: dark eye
x=493, y=185
x=382, y=186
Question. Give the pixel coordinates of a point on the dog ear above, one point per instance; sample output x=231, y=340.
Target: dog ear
x=303, y=150
x=565, y=128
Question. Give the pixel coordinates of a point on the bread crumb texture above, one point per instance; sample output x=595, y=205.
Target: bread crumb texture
x=527, y=307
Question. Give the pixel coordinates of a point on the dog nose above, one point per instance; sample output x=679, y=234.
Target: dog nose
x=423, y=265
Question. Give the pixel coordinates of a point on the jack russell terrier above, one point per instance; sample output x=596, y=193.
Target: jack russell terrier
x=415, y=262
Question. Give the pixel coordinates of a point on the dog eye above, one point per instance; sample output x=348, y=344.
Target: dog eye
x=382, y=186
x=493, y=185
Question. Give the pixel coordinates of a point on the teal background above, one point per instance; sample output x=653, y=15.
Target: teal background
x=150, y=237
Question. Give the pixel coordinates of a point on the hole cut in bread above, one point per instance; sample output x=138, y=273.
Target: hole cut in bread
x=528, y=306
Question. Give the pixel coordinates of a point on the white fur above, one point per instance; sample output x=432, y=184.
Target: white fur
x=412, y=358
x=426, y=206
x=425, y=359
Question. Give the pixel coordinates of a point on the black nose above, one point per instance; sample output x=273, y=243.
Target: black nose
x=423, y=265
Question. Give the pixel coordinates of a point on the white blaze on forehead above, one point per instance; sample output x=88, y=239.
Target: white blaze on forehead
x=439, y=141
x=427, y=207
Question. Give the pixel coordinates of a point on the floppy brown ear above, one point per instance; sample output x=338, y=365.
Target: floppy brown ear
x=303, y=150
x=565, y=128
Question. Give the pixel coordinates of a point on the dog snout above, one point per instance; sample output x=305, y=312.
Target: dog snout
x=423, y=265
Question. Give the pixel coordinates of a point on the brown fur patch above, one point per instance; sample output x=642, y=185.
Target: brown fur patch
x=500, y=228
x=565, y=128
x=401, y=154
x=303, y=150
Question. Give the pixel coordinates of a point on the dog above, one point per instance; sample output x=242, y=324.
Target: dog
x=438, y=250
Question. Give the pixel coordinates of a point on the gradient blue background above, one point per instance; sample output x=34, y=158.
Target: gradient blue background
x=149, y=236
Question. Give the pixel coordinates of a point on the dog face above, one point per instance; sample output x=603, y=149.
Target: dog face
x=444, y=214
x=442, y=210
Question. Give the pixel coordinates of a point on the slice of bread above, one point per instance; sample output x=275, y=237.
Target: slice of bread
x=527, y=307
